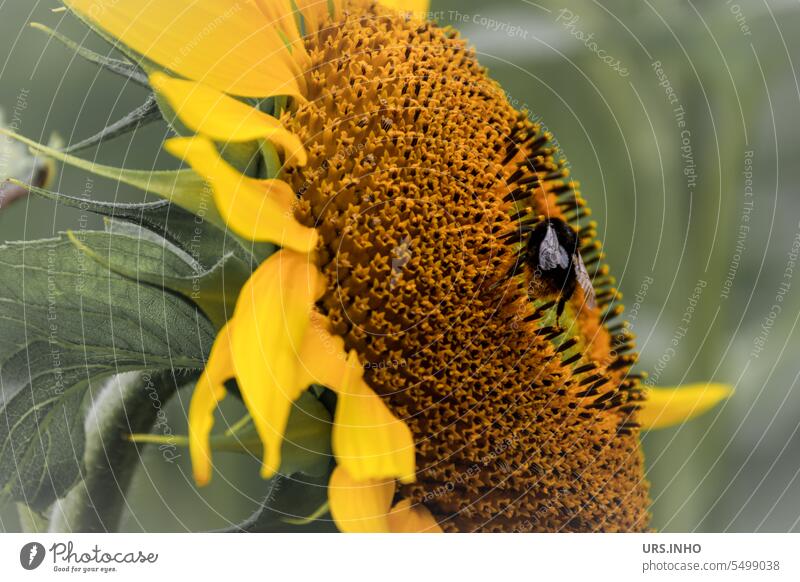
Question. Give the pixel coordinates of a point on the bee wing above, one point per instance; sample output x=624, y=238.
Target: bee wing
x=584, y=280
x=551, y=254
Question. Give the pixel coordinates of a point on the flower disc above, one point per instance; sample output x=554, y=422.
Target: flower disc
x=419, y=175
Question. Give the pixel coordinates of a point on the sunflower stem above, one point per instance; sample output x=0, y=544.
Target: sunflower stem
x=128, y=403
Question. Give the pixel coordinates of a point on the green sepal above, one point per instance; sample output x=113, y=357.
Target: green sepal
x=240, y=156
x=307, y=441
x=244, y=157
x=272, y=162
x=183, y=187
x=205, y=242
x=168, y=113
x=145, y=114
x=306, y=444
x=146, y=65
x=318, y=513
x=286, y=508
x=123, y=68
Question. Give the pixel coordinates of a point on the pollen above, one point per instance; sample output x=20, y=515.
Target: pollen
x=420, y=174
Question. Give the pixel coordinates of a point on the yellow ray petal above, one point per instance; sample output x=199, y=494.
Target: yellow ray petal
x=208, y=392
x=225, y=119
x=323, y=357
x=368, y=440
x=279, y=13
x=232, y=47
x=254, y=209
x=405, y=518
x=417, y=7
x=315, y=12
x=359, y=506
x=272, y=315
x=670, y=406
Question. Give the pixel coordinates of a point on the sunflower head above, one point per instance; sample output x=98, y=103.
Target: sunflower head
x=402, y=190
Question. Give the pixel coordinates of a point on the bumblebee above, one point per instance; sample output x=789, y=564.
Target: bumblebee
x=553, y=253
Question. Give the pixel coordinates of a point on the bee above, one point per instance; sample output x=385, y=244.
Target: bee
x=553, y=252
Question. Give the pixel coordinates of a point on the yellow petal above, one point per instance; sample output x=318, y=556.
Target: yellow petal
x=279, y=13
x=230, y=46
x=272, y=315
x=254, y=209
x=405, y=518
x=368, y=440
x=208, y=392
x=416, y=7
x=359, y=506
x=315, y=13
x=225, y=119
x=323, y=357
x=670, y=406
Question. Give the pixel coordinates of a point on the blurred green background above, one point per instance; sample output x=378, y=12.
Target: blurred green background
x=671, y=219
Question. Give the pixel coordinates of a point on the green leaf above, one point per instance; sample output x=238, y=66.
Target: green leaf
x=143, y=256
x=30, y=520
x=67, y=324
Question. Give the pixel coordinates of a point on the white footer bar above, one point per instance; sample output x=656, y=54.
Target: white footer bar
x=386, y=558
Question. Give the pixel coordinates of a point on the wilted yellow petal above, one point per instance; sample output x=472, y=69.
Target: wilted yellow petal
x=208, y=392
x=225, y=119
x=359, y=506
x=368, y=440
x=407, y=519
x=230, y=46
x=272, y=316
x=254, y=209
x=670, y=406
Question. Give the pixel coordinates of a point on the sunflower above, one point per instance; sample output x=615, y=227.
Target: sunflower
x=397, y=185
